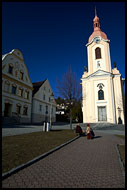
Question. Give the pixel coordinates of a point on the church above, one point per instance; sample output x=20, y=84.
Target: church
x=102, y=86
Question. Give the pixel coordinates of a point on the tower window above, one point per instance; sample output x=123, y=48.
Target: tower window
x=100, y=94
x=98, y=53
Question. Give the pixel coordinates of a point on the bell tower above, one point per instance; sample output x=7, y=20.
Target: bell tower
x=101, y=85
x=98, y=49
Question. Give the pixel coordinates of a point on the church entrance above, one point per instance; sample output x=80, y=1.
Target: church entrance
x=102, y=116
x=7, y=109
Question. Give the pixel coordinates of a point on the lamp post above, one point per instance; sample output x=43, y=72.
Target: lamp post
x=119, y=111
x=51, y=98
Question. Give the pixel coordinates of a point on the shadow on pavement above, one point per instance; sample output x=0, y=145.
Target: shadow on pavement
x=56, y=130
x=97, y=137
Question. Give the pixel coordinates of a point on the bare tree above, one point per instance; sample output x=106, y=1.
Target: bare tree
x=70, y=89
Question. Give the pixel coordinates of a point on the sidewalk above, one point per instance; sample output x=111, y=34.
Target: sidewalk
x=80, y=164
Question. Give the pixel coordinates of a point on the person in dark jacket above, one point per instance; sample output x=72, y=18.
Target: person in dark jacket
x=92, y=133
x=79, y=129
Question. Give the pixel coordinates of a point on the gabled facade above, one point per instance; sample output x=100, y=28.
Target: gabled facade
x=43, y=103
x=16, y=87
x=102, y=89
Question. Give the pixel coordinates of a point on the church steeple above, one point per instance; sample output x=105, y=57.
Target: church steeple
x=97, y=30
x=95, y=11
x=96, y=22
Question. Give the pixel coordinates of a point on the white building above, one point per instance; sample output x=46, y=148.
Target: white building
x=102, y=86
x=16, y=88
x=43, y=103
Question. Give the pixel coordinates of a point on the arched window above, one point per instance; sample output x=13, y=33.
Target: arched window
x=100, y=95
x=98, y=53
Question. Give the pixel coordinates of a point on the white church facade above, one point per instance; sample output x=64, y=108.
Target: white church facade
x=102, y=86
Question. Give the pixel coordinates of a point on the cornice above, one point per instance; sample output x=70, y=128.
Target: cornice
x=93, y=40
x=16, y=81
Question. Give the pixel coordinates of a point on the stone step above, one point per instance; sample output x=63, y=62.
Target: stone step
x=9, y=120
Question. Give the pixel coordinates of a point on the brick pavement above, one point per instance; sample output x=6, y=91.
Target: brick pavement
x=80, y=164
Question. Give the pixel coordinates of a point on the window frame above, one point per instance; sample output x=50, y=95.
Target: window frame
x=98, y=53
x=19, y=109
x=100, y=95
x=13, y=87
x=21, y=75
x=25, y=110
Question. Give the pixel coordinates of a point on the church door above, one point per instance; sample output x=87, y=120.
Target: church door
x=102, y=116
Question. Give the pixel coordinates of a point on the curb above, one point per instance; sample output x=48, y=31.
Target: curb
x=18, y=168
x=121, y=163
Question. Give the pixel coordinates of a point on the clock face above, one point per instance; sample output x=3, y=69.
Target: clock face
x=97, y=40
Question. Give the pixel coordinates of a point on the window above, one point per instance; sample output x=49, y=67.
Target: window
x=10, y=69
x=100, y=94
x=40, y=107
x=13, y=89
x=20, y=92
x=21, y=75
x=26, y=94
x=18, y=109
x=98, y=53
x=44, y=88
x=25, y=110
x=49, y=99
x=44, y=97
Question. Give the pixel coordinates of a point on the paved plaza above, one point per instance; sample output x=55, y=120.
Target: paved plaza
x=81, y=164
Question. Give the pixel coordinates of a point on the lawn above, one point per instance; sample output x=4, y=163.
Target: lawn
x=121, y=149
x=19, y=149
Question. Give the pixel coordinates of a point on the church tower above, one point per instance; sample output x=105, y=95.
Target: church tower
x=102, y=93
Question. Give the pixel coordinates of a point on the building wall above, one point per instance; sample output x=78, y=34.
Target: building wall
x=105, y=61
x=118, y=98
x=38, y=99
x=91, y=102
x=15, y=59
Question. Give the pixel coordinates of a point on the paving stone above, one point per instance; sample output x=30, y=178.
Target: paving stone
x=82, y=163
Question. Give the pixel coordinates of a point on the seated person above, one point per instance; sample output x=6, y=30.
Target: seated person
x=79, y=129
x=92, y=133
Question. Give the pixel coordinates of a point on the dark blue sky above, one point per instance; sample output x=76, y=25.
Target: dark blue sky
x=52, y=36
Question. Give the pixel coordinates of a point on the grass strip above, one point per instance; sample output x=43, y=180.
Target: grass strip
x=19, y=149
x=121, y=149
x=121, y=136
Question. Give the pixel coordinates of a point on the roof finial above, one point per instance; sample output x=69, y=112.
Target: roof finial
x=95, y=11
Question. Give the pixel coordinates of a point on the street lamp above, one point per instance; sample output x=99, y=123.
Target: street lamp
x=51, y=98
x=119, y=111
